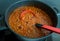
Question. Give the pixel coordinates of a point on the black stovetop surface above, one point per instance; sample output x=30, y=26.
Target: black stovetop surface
x=6, y=35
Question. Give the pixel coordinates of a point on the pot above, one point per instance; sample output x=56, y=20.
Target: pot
x=46, y=8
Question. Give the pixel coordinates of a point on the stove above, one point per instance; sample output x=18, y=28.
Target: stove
x=7, y=35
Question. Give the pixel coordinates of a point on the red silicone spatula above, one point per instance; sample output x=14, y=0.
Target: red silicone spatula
x=51, y=28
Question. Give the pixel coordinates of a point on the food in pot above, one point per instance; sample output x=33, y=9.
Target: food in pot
x=22, y=21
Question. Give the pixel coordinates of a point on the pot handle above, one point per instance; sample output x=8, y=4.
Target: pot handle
x=58, y=25
x=58, y=15
x=2, y=23
x=57, y=11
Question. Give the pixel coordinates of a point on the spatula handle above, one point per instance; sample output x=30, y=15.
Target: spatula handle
x=54, y=29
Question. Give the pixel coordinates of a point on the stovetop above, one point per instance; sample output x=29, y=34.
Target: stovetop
x=7, y=35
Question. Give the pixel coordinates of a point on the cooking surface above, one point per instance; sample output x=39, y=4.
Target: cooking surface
x=4, y=4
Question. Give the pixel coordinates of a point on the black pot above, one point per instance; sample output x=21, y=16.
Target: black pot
x=46, y=8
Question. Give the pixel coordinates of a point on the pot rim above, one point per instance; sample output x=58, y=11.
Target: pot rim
x=15, y=32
